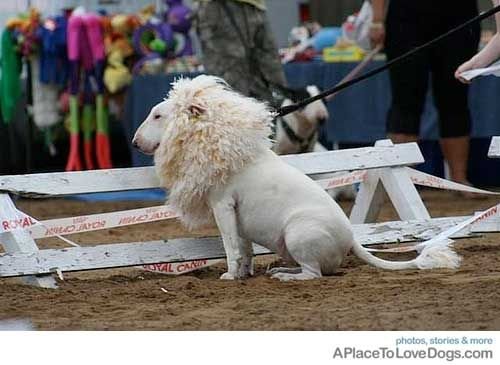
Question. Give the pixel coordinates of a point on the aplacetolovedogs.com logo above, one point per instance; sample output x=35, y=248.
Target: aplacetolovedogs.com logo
x=445, y=348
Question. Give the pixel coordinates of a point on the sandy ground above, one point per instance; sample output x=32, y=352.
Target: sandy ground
x=359, y=297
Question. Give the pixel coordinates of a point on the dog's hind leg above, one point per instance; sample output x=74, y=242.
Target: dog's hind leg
x=282, y=251
x=306, y=247
x=304, y=272
x=309, y=266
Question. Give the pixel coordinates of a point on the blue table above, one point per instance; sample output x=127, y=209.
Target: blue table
x=357, y=113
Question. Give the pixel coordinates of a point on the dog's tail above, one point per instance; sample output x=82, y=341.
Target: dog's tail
x=439, y=255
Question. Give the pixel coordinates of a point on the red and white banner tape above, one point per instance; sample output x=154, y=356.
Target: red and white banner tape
x=10, y=213
x=342, y=180
x=457, y=228
x=84, y=223
x=444, y=237
x=179, y=268
x=421, y=178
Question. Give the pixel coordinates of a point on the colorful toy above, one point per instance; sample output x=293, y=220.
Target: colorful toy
x=45, y=106
x=308, y=41
x=18, y=40
x=10, y=82
x=51, y=35
x=49, y=72
x=343, y=53
x=116, y=74
x=86, y=55
x=96, y=42
x=179, y=16
x=24, y=28
x=117, y=32
x=86, y=51
x=75, y=33
x=146, y=13
x=152, y=41
x=157, y=41
x=40, y=45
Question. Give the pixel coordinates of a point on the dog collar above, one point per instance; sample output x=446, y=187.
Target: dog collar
x=303, y=143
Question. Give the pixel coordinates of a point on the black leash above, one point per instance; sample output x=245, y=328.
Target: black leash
x=294, y=107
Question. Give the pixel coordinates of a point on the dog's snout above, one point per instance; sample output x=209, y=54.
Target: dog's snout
x=135, y=144
x=322, y=121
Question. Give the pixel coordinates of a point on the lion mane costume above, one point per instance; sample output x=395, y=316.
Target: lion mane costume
x=212, y=132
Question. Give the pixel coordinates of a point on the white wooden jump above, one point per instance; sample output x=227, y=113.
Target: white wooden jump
x=107, y=256
x=385, y=163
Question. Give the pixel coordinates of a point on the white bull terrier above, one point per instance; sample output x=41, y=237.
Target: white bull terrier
x=212, y=152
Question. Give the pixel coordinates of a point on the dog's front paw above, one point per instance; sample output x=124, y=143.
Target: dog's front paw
x=227, y=276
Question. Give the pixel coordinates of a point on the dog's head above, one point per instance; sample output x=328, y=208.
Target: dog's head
x=186, y=101
x=195, y=108
x=148, y=136
x=316, y=112
x=313, y=114
x=200, y=135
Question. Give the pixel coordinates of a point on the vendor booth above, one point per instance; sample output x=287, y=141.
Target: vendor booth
x=76, y=84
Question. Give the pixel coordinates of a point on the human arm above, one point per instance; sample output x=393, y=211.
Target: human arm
x=377, y=28
x=489, y=54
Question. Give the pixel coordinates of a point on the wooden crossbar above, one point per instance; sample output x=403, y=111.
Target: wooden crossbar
x=356, y=158
x=107, y=256
x=96, y=181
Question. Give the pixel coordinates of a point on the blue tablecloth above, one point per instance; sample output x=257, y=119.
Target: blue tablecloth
x=357, y=113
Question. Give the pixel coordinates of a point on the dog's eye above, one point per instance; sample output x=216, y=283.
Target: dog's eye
x=157, y=116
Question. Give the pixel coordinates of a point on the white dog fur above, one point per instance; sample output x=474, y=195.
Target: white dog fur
x=212, y=152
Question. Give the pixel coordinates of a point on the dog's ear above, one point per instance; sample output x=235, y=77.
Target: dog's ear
x=196, y=110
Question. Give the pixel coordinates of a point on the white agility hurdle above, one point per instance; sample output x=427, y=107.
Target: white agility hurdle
x=384, y=167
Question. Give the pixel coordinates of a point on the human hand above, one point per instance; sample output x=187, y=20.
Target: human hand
x=377, y=34
x=466, y=66
x=489, y=54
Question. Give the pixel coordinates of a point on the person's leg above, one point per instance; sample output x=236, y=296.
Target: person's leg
x=451, y=99
x=409, y=88
x=402, y=137
x=456, y=153
x=409, y=80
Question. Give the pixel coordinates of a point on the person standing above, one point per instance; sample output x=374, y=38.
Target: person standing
x=410, y=23
x=237, y=45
